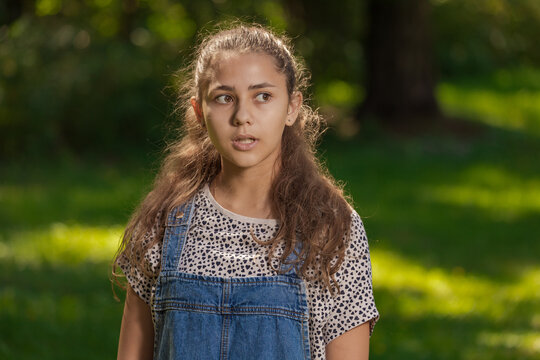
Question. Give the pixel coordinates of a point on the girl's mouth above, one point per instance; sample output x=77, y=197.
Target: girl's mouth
x=244, y=142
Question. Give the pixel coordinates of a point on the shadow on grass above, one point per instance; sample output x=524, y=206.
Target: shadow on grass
x=448, y=202
x=57, y=312
x=90, y=193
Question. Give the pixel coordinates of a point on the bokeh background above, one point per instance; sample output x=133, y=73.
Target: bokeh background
x=434, y=108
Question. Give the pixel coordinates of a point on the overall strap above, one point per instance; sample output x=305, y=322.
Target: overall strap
x=290, y=268
x=178, y=221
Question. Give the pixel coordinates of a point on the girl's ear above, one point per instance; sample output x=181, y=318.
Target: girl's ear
x=198, y=111
x=295, y=103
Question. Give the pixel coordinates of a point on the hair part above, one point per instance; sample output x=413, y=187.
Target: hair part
x=308, y=203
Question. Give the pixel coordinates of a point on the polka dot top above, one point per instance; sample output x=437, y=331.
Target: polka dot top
x=219, y=243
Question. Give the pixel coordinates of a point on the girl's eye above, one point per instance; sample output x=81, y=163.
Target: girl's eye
x=224, y=99
x=263, y=97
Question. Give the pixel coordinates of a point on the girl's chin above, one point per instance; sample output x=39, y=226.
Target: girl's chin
x=245, y=162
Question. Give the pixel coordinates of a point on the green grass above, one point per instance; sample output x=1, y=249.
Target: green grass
x=454, y=230
x=453, y=225
x=60, y=225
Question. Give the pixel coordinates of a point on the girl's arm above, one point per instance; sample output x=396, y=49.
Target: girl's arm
x=352, y=345
x=137, y=331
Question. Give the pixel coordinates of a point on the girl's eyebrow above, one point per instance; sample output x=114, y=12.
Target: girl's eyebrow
x=251, y=87
x=260, y=86
x=222, y=87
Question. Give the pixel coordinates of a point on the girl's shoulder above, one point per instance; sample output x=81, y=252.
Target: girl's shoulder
x=354, y=304
x=358, y=242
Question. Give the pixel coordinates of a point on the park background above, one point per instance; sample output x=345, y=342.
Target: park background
x=434, y=114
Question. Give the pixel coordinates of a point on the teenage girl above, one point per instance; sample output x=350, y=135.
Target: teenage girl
x=246, y=248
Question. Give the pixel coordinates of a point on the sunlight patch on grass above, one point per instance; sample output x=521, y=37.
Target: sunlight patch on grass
x=491, y=189
x=528, y=342
x=424, y=291
x=514, y=110
x=62, y=244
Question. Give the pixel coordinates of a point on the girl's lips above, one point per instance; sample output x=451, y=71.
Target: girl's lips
x=244, y=142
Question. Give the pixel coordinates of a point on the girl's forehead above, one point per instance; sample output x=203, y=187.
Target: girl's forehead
x=245, y=67
x=231, y=55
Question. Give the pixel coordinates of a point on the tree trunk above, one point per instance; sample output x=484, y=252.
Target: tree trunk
x=400, y=77
x=10, y=11
x=127, y=21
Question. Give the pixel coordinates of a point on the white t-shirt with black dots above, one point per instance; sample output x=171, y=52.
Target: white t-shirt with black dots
x=219, y=243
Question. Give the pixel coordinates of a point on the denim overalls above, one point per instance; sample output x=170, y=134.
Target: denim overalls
x=207, y=317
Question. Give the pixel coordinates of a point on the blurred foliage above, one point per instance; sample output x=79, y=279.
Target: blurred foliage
x=95, y=77
x=87, y=77
x=485, y=35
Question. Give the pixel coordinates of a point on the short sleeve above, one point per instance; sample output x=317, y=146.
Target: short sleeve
x=354, y=305
x=143, y=283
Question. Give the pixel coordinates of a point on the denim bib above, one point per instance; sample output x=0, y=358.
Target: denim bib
x=208, y=317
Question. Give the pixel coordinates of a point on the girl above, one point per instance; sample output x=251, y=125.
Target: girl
x=246, y=248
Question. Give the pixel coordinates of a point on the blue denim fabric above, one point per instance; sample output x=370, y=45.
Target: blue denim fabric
x=206, y=317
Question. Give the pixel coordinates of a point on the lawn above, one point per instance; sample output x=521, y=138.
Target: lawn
x=453, y=225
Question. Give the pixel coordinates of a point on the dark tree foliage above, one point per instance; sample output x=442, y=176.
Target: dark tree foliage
x=96, y=76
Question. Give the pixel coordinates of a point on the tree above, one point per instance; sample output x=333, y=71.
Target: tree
x=400, y=74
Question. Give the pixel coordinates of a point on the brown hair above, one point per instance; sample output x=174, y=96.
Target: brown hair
x=307, y=202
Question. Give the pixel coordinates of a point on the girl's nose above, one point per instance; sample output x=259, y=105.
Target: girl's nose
x=242, y=114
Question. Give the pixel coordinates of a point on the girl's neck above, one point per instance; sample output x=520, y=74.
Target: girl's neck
x=244, y=193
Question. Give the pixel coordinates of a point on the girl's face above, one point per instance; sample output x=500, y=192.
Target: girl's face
x=245, y=110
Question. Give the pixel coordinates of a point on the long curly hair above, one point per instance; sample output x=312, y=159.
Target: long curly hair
x=308, y=203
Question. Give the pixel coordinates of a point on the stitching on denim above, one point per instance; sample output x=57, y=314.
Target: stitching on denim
x=158, y=332
x=155, y=343
x=224, y=328
x=226, y=311
x=165, y=246
x=230, y=310
x=303, y=341
x=227, y=320
x=180, y=236
x=187, y=208
x=173, y=276
x=154, y=316
x=305, y=323
x=170, y=233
